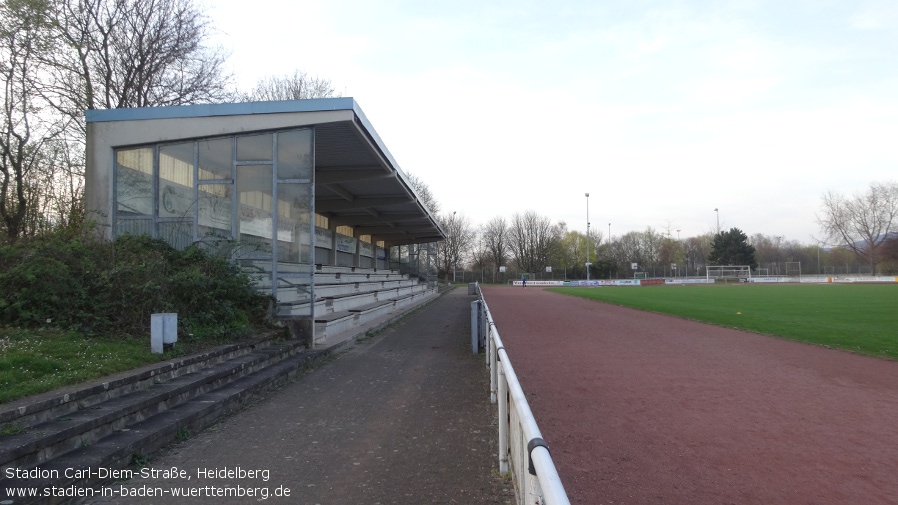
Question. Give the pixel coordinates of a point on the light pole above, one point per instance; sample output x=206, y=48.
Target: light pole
x=718, y=220
x=678, y=243
x=609, y=251
x=587, y=236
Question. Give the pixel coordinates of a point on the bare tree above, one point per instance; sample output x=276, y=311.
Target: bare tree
x=697, y=251
x=298, y=86
x=132, y=53
x=24, y=126
x=61, y=186
x=862, y=222
x=480, y=257
x=889, y=254
x=533, y=239
x=495, y=238
x=460, y=237
x=59, y=58
x=628, y=249
x=651, y=241
x=424, y=193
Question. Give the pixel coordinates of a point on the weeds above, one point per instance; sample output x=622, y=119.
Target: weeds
x=140, y=460
x=11, y=429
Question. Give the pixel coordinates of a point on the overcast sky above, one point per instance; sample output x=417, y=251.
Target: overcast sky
x=662, y=111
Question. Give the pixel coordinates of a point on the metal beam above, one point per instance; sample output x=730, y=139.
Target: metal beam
x=342, y=193
x=336, y=176
x=382, y=229
x=359, y=203
x=380, y=218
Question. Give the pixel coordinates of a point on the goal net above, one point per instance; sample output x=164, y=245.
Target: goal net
x=728, y=272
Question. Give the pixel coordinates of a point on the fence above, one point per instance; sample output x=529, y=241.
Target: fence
x=522, y=450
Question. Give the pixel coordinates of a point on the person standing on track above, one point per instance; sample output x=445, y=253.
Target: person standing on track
x=524, y=281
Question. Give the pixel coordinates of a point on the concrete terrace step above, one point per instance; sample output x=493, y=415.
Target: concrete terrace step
x=327, y=273
x=59, y=443
x=120, y=449
x=345, y=301
x=294, y=294
x=86, y=426
x=339, y=321
x=27, y=412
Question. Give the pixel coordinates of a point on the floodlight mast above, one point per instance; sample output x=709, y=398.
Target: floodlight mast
x=587, y=236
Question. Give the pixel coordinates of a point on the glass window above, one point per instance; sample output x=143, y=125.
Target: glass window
x=254, y=147
x=134, y=182
x=295, y=154
x=214, y=208
x=215, y=159
x=176, y=181
x=294, y=223
x=255, y=204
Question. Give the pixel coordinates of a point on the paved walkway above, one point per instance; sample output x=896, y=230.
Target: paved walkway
x=402, y=417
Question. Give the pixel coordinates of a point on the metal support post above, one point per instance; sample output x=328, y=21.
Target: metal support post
x=503, y=422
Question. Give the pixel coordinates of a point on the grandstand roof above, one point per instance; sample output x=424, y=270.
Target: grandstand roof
x=357, y=181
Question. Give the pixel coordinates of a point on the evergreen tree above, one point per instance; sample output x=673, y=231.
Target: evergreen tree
x=732, y=248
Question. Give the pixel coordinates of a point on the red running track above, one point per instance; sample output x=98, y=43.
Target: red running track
x=646, y=408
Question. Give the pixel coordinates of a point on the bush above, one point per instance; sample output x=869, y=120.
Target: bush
x=101, y=287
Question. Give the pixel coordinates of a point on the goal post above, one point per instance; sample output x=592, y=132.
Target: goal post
x=728, y=272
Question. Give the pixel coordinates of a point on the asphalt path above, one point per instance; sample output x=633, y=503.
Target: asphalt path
x=402, y=417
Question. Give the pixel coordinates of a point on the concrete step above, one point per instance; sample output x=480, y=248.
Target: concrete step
x=46, y=440
x=26, y=412
x=340, y=321
x=92, y=465
x=58, y=442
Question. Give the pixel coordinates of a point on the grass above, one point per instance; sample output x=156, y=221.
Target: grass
x=858, y=317
x=35, y=361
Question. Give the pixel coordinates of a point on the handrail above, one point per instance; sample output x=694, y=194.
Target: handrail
x=522, y=449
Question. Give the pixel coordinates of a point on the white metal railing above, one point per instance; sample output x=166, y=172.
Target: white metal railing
x=522, y=450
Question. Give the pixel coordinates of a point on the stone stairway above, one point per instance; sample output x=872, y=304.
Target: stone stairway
x=67, y=442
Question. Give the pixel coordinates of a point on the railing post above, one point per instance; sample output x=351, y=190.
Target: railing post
x=475, y=326
x=494, y=367
x=503, y=421
x=484, y=331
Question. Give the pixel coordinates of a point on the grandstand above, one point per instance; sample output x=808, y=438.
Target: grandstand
x=303, y=194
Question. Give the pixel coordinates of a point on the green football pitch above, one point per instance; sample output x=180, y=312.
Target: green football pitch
x=862, y=318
